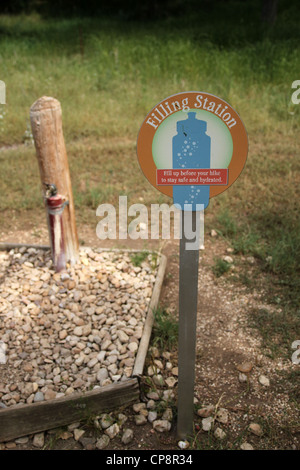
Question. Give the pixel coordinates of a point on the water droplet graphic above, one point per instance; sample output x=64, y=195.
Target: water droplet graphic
x=193, y=145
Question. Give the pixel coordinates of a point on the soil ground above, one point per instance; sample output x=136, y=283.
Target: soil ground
x=224, y=341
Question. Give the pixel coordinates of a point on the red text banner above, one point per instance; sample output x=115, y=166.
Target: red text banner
x=192, y=176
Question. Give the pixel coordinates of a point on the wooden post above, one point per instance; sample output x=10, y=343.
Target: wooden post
x=46, y=124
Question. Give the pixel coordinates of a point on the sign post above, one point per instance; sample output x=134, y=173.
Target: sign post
x=188, y=296
x=191, y=146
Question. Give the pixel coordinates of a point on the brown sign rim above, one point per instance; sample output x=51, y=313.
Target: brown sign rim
x=238, y=133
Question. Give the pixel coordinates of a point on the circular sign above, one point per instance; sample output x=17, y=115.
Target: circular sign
x=192, y=146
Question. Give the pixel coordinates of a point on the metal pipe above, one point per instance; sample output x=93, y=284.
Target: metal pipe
x=55, y=206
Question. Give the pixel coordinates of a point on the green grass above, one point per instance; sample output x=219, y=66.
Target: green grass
x=108, y=74
x=220, y=267
x=243, y=237
x=278, y=330
x=290, y=383
x=165, y=330
x=274, y=239
x=138, y=258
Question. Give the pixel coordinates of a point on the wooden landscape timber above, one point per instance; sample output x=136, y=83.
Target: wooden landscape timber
x=37, y=417
x=145, y=339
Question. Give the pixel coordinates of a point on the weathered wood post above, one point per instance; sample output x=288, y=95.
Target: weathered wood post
x=46, y=124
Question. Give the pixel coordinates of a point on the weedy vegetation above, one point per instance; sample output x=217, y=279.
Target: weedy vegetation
x=165, y=330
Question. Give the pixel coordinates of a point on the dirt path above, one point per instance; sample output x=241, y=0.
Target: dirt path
x=263, y=395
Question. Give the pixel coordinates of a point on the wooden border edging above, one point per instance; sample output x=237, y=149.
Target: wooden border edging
x=29, y=419
x=23, y=420
x=12, y=246
x=144, y=342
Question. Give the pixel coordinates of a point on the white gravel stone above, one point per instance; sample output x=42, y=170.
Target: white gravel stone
x=138, y=407
x=127, y=436
x=39, y=396
x=133, y=346
x=151, y=370
x=207, y=423
x=152, y=416
x=140, y=419
x=263, y=380
x=39, y=440
x=168, y=395
x=228, y=259
x=243, y=377
x=106, y=421
x=123, y=337
x=122, y=419
x=246, y=446
x=102, y=442
x=112, y=431
x=171, y=381
x=168, y=414
x=183, y=445
x=151, y=404
x=78, y=433
x=92, y=362
x=22, y=440
x=219, y=433
x=158, y=380
x=70, y=326
x=78, y=331
x=222, y=416
x=256, y=429
x=161, y=425
x=206, y=411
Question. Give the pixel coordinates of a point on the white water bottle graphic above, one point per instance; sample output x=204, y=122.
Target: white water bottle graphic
x=191, y=148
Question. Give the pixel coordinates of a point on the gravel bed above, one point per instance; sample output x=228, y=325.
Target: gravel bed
x=72, y=331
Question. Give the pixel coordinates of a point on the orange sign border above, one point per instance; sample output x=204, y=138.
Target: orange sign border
x=238, y=134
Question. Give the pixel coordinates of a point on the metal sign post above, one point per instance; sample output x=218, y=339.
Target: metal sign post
x=191, y=146
x=188, y=294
